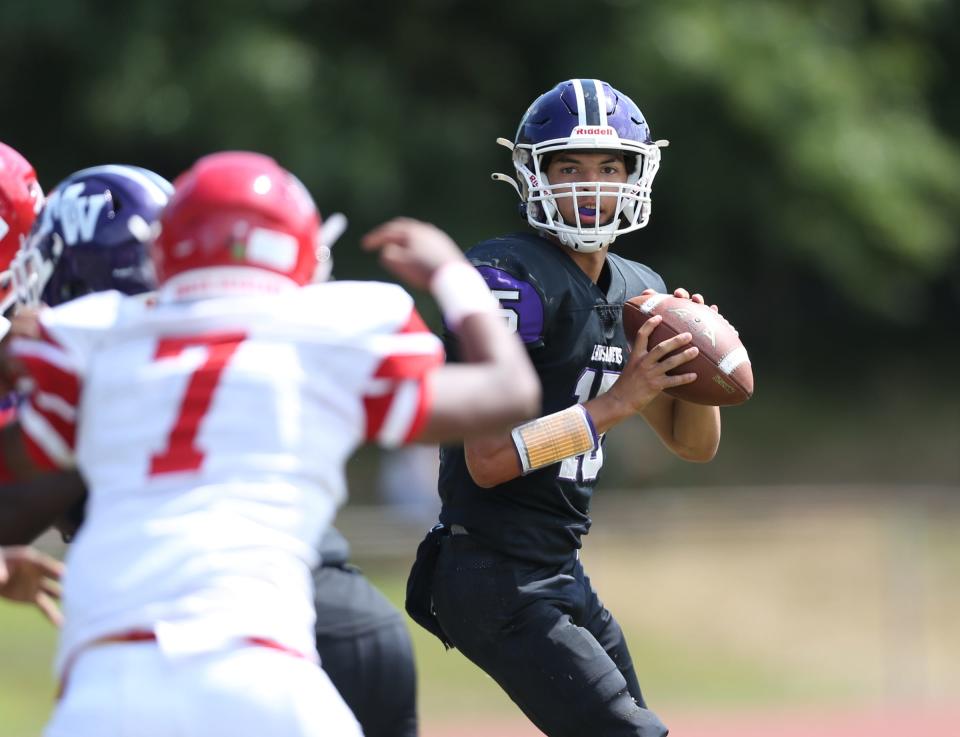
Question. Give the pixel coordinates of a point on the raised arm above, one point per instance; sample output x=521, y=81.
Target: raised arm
x=496, y=386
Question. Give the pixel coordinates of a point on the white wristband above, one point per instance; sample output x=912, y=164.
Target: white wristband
x=461, y=291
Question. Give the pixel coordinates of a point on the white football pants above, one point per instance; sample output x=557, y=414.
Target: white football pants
x=133, y=690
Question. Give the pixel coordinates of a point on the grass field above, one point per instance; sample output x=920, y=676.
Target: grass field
x=739, y=605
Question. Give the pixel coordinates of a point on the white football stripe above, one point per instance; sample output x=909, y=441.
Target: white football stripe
x=601, y=101
x=54, y=355
x=581, y=105
x=401, y=415
x=37, y=427
x=56, y=404
x=733, y=359
x=650, y=304
x=413, y=344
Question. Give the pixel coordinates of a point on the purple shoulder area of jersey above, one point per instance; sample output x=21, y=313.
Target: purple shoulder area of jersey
x=520, y=297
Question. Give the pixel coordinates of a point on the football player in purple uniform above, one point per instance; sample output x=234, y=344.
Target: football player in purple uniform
x=500, y=577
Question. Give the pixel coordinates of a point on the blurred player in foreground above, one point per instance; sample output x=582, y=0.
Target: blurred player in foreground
x=26, y=575
x=92, y=235
x=212, y=429
x=362, y=639
x=507, y=587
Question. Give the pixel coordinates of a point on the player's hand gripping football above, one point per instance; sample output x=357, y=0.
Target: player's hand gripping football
x=412, y=250
x=31, y=577
x=645, y=374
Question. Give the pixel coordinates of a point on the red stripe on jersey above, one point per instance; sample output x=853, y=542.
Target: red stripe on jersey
x=410, y=365
x=66, y=429
x=376, y=409
x=414, y=324
x=424, y=403
x=38, y=455
x=51, y=378
x=402, y=367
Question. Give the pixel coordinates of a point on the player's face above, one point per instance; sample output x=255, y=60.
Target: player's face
x=581, y=166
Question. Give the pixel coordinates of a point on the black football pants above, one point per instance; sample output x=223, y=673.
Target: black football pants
x=365, y=648
x=542, y=633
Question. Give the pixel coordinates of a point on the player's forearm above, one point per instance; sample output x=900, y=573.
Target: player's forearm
x=690, y=431
x=607, y=411
x=536, y=444
x=492, y=460
x=696, y=430
x=28, y=508
x=16, y=463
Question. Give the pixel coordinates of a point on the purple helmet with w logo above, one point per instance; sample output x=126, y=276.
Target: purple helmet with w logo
x=92, y=235
x=584, y=115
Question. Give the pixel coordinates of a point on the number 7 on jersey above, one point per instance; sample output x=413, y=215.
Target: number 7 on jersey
x=181, y=452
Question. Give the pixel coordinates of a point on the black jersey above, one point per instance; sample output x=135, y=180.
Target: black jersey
x=573, y=330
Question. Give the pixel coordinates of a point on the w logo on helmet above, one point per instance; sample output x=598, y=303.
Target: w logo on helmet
x=78, y=214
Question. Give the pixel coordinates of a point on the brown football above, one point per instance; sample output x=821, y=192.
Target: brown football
x=724, y=374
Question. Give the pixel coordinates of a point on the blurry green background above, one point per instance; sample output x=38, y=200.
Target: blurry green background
x=811, y=189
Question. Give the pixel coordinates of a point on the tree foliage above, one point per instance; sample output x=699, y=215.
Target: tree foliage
x=814, y=164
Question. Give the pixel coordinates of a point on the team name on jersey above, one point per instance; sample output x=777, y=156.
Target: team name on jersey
x=608, y=354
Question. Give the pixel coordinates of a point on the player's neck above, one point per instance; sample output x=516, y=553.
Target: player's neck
x=590, y=263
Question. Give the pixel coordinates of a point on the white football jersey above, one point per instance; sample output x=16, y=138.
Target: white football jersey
x=213, y=436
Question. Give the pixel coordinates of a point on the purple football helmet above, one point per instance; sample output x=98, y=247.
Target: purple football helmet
x=583, y=115
x=92, y=235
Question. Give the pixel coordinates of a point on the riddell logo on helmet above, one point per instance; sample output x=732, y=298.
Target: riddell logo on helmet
x=604, y=130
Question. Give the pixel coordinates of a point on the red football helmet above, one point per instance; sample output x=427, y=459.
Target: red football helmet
x=20, y=200
x=238, y=209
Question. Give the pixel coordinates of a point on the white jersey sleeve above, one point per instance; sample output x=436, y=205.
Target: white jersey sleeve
x=55, y=365
x=396, y=398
